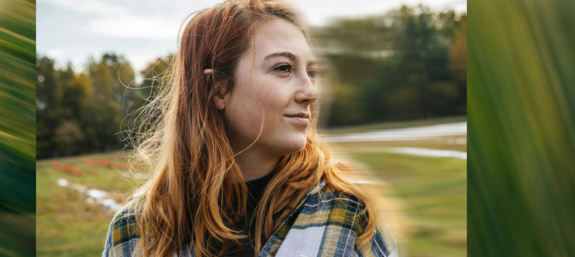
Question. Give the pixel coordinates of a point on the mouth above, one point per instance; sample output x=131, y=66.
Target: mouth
x=300, y=118
x=298, y=115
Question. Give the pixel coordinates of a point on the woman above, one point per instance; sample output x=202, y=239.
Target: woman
x=238, y=167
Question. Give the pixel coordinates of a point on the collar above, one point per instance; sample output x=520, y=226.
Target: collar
x=317, y=188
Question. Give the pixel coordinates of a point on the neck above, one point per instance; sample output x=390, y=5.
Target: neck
x=254, y=165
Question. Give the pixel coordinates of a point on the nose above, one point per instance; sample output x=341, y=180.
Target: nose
x=308, y=93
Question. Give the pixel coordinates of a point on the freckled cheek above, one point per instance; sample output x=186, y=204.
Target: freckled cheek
x=249, y=114
x=274, y=104
x=250, y=107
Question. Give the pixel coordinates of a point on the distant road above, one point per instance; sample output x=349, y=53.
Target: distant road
x=404, y=134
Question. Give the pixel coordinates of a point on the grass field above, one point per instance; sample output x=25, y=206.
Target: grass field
x=66, y=224
x=432, y=192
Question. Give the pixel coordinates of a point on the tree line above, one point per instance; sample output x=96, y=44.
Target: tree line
x=409, y=63
x=78, y=113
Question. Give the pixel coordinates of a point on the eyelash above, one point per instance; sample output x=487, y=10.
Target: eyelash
x=311, y=73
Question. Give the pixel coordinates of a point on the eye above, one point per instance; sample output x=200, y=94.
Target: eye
x=284, y=68
x=312, y=73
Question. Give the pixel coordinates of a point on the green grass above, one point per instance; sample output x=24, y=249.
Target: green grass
x=433, y=193
x=67, y=225
x=393, y=125
x=440, y=143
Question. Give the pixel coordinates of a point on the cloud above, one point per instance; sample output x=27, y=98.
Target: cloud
x=54, y=53
x=140, y=61
x=117, y=22
x=88, y=6
x=129, y=26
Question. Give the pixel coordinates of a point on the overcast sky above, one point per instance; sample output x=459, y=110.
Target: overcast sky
x=142, y=30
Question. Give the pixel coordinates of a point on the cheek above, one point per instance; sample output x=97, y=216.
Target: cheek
x=246, y=108
x=251, y=100
x=243, y=113
x=275, y=99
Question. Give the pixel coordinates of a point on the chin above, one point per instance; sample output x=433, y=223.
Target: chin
x=294, y=144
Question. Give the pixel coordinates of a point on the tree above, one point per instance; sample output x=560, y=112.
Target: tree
x=67, y=138
x=76, y=91
x=398, y=65
x=48, y=111
x=155, y=75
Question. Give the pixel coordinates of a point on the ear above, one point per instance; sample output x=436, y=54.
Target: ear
x=218, y=98
x=220, y=101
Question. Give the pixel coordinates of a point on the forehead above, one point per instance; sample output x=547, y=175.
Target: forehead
x=278, y=35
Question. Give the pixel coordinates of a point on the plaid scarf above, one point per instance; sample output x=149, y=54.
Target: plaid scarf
x=326, y=222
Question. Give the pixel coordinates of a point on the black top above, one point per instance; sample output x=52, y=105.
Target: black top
x=256, y=189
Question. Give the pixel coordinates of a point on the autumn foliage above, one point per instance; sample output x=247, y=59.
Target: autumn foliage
x=70, y=169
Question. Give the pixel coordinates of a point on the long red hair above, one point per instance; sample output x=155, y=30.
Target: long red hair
x=188, y=198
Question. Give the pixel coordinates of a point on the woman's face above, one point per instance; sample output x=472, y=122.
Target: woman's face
x=273, y=85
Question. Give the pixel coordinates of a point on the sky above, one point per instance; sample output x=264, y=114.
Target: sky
x=143, y=30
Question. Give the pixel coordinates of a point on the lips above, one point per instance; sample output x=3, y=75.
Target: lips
x=299, y=115
x=301, y=118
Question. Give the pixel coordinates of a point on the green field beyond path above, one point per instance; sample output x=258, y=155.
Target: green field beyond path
x=433, y=193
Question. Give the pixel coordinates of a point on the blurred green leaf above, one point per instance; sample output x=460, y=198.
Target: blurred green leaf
x=521, y=124
x=17, y=128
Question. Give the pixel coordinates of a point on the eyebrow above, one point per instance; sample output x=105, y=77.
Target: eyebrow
x=290, y=56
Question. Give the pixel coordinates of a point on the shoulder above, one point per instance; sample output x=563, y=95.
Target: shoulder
x=123, y=233
x=343, y=217
x=327, y=198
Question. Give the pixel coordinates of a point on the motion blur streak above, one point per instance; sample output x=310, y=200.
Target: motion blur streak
x=521, y=128
x=17, y=128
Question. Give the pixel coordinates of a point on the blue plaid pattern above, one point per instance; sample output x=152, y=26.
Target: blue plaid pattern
x=325, y=223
